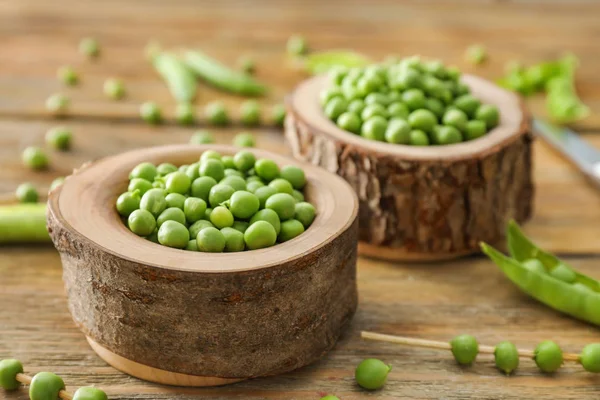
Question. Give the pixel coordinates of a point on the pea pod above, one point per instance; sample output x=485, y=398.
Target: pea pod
x=180, y=80
x=23, y=223
x=317, y=63
x=222, y=76
x=578, y=299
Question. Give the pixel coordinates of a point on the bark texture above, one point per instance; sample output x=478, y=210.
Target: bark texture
x=426, y=207
x=230, y=325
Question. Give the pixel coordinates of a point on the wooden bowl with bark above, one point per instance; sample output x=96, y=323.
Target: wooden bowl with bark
x=202, y=319
x=424, y=203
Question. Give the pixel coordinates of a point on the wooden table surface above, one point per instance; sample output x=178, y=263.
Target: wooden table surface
x=427, y=301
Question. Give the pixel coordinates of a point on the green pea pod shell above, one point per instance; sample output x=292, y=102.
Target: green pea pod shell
x=180, y=80
x=221, y=76
x=321, y=62
x=521, y=249
x=561, y=296
x=23, y=223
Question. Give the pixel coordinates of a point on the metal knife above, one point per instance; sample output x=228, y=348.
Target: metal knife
x=572, y=146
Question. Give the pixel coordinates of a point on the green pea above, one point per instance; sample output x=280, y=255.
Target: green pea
x=212, y=168
x=128, y=202
x=173, y=233
x=278, y=114
x=201, y=187
x=236, y=182
x=9, y=369
x=398, y=132
x=154, y=201
x=294, y=175
x=210, y=155
x=371, y=373
x=419, y=138
x=468, y=104
x=563, y=273
x=250, y=113
x=328, y=94
x=349, y=121
x=398, y=110
x=240, y=226
x=184, y=114
x=198, y=226
x=145, y=171
x=67, y=75
x=283, y=204
x=221, y=217
x=465, y=349
x=178, y=182
x=35, y=158
x=534, y=265
x=337, y=74
x=548, y=356
x=453, y=73
x=165, y=169
x=45, y=386
x=282, y=185
x=193, y=171
x=269, y=216
x=335, y=107
x=175, y=200
x=229, y=164
x=506, y=356
x=151, y=113
x=377, y=98
x=414, y=99
x=582, y=287
x=489, y=114
x=171, y=214
x=474, y=129
x=297, y=45
x=216, y=113
x=433, y=86
x=263, y=194
x=139, y=184
x=446, y=135
x=356, y=106
x=476, y=54
x=89, y=393
x=194, y=209
x=266, y=169
x=456, y=118
x=58, y=103
x=422, y=119
x=211, y=240
x=368, y=84
x=56, y=183
x=114, y=89
x=298, y=195
x=330, y=397
x=305, y=213
x=219, y=194
x=408, y=79
x=202, y=137
x=244, y=160
x=244, y=139
x=435, y=106
x=243, y=204
x=374, y=128
x=234, y=239
x=461, y=89
x=372, y=110
x=59, y=138
x=289, y=230
x=141, y=222
x=590, y=357
x=89, y=47
x=259, y=235
x=26, y=193
x=207, y=213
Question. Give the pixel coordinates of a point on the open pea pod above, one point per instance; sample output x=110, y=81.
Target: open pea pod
x=521, y=248
x=571, y=299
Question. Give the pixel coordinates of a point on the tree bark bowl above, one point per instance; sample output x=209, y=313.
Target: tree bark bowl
x=202, y=319
x=424, y=203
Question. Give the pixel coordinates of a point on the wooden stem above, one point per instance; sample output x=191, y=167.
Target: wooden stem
x=432, y=344
x=26, y=380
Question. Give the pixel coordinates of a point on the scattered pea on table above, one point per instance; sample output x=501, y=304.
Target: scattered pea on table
x=185, y=114
x=250, y=113
x=372, y=373
x=216, y=113
x=114, y=89
x=244, y=139
x=59, y=137
x=58, y=103
x=68, y=76
x=278, y=114
x=297, y=45
x=34, y=158
x=27, y=193
x=202, y=137
x=151, y=113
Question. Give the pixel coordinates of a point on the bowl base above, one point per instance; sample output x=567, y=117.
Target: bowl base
x=400, y=254
x=156, y=375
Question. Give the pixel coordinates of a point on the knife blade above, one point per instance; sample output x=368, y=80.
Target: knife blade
x=572, y=146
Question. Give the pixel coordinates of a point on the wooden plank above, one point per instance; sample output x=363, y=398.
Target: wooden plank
x=425, y=301
x=39, y=38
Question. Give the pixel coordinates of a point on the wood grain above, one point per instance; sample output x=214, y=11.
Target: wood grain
x=433, y=302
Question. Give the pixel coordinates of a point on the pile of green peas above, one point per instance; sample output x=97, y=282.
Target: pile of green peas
x=410, y=102
x=220, y=203
x=44, y=385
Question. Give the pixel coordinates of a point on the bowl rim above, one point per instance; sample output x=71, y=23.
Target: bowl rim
x=69, y=204
x=303, y=104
